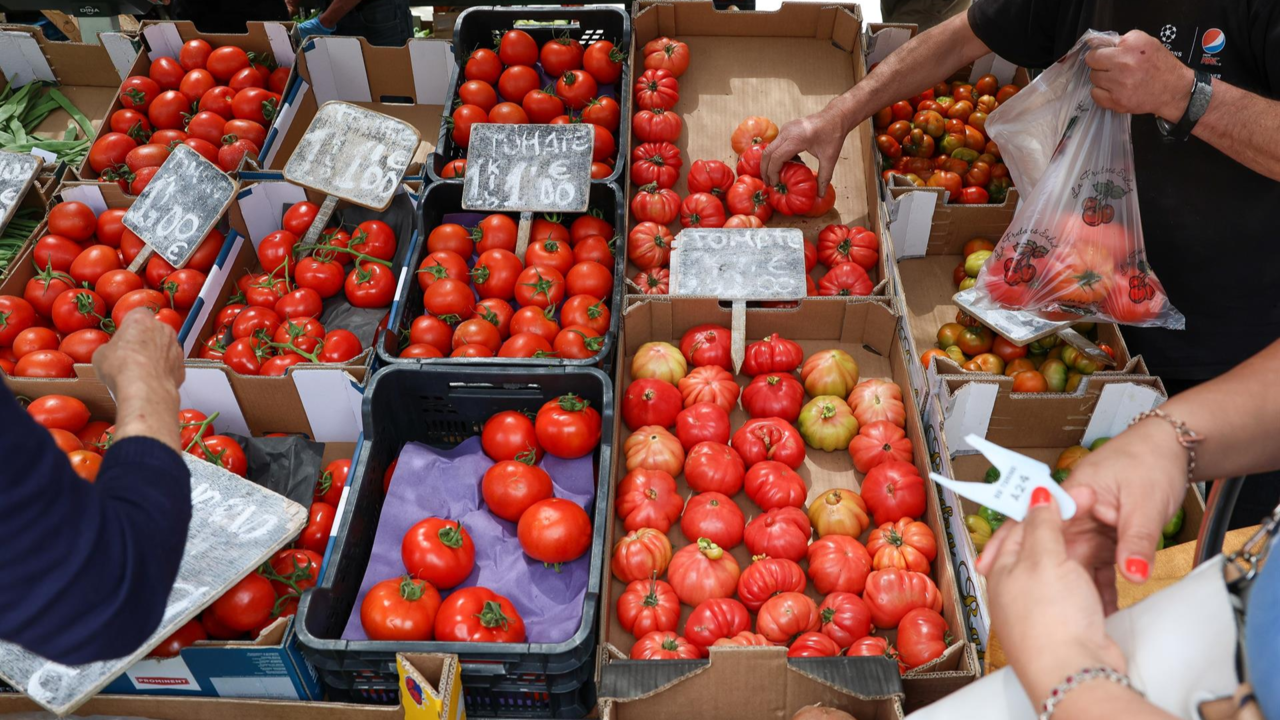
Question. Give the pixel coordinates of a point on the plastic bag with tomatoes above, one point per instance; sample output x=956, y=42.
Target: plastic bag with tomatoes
x=1074, y=250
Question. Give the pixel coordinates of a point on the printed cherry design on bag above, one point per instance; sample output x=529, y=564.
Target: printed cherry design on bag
x=1018, y=269
x=1097, y=211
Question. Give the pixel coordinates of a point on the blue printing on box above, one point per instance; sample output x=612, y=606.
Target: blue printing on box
x=288, y=673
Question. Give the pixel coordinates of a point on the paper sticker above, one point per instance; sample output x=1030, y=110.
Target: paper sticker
x=1011, y=494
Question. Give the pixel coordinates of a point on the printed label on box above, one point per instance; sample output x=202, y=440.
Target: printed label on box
x=168, y=674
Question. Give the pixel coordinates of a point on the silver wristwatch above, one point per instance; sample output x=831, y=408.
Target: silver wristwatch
x=1201, y=94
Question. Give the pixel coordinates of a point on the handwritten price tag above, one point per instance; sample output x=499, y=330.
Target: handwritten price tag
x=181, y=204
x=354, y=154
x=528, y=168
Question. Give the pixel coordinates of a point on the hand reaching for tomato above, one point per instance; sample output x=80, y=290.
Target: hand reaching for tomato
x=822, y=134
x=142, y=366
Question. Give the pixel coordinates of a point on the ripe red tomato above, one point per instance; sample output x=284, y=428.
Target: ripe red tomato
x=484, y=65
x=370, y=285
x=72, y=220
x=255, y=318
x=167, y=109
x=781, y=532
x=340, y=346
x=657, y=163
x=709, y=383
x=227, y=454
x=182, y=287
x=891, y=593
x=479, y=93
x=541, y=287
x=510, y=487
x=713, y=467
x=45, y=364
x=657, y=89
x=648, y=605
x=94, y=262
x=246, y=605
x=508, y=434
x=648, y=498
x=454, y=168
x=430, y=330
x=41, y=290
x=109, y=150
x=650, y=401
x=251, y=131
x=786, y=616
x=561, y=55
x=247, y=78
x=604, y=61
x=315, y=536
x=195, y=84
x=231, y=154
x=589, y=278
x=922, y=636
x=185, y=636
x=771, y=484
x=438, y=551
x=664, y=646
x=555, y=531
x=508, y=113
x=568, y=427
x=714, y=619
x=144, y=298
x=374, y=238
x=576, y=88
x=517, y=81
x=603, y=112
x=450, y=300
x=667, y=54
x=137, y=92
x=33, y=339
x=299, y=570
x=838, y=563
x=713, y=516
x=702, y=422
x=324, y=277
x=400, y=609
x=654, y=204
x=707, y=345
x=702, y=571
x=813, y=644
x=702, y=210
x=78, y=309
x=892, y=491
x=255, y=104
x=60, y=412
x=226, y=61
x=477, y=614
x=217, y=100
x=517, y=47
x=194, y=54
x=477, y=331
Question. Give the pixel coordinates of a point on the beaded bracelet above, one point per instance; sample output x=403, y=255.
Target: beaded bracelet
x=1073, y=681
x=1187, y=437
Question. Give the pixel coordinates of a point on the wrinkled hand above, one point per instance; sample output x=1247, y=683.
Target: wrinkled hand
x=1125, y=491
x=1140, y=77
x=822, y=134
x=1048, y=614
x=142, y=367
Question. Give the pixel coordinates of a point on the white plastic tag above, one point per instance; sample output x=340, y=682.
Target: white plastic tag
x=1011, y=494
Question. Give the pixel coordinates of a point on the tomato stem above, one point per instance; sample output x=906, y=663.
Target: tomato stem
x=347, y=250
x=492, y=616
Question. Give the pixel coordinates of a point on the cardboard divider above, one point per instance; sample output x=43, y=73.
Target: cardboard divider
x=84, y=73
x=810, y=55
x=409, y=83
x=35, y=200
x=778, y=688
x=165, y=39
x=868, y=330
x=1040, y=426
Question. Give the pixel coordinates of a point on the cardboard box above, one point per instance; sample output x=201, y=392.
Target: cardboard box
x=85, y=74
x=165, y=39
x=918, y=216
x=409, y=82
x=784, y=65
x=436, y=676
x=925, y=289
x=1039, y=426
x=99, y=197
x=750, y=684
x=326, y=397
x=867, y=330
x=33, y=200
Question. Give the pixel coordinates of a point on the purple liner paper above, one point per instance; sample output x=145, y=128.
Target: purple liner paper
x=429, y=482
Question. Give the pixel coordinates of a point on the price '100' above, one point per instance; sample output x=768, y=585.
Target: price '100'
x=375, y=178
x=181, y=226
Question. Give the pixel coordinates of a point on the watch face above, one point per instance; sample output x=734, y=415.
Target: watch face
x=1200, y=97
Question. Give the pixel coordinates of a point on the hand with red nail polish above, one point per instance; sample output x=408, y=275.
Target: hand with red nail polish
x=1044, y=606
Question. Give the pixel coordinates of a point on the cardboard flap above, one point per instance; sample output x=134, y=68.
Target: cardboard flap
x=969, y=411
x=284, y=119
x=883, y=38
x=21, y=60
x=262, y=206
x=637, y=678
x=209, y=390
x=90, y=195
x=122, y=49
x=864, y=677
x=430, y=60
x=910, y=221
x=332, y=402
x=281, y=45
x=1117, y=406
x=337, y=70
x=163, y=40
x=992, y=64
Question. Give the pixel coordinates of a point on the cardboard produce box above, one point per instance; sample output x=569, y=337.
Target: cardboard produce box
x=410, y=83
x=434, y=677
x=327, y=395
x=165, y=39
x=1040, y=426
x=85, y=74
x=919, y=216
x=925, y=289
x=749, y=684
x=34, y=203
x=99, y=197
x=866, y=329
x=782, y=65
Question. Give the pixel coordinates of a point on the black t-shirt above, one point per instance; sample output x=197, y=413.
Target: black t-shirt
x=1207, y=221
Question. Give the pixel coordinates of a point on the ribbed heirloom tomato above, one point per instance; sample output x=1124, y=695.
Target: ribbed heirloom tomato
x=781, y=532
x=709, y=383
x=845, y=618
x=891, y=593
x=664, y=646
x=657, y=88
x=713, y=516
x=838, y=563
x=785, y=617
x=767, y=577
x=906, y=544
x=640, y=555
x=647, y=606
x=715, y=619
x=771, y=484
x=894, y=490
x=702, y=571
x=714, y=467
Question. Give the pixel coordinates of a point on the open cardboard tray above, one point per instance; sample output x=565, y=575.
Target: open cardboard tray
x=165, y=39
x=444, y=197
x=328, y=394
x=866, y=329
x=1039, y=425
x=783, y=65
x=409, y=83
x=84, y=73
x=33, y=200
x=778, y=688
x=99, y=197
x=924, y=297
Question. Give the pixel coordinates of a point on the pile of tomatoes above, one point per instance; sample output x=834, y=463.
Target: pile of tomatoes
x=884, y=583
x=439, y=553
x=559, y=83
x=481, y=300
x=938, y=139
x=219, y=102
x=82, y=289
x=1045, y=365
x=272, y=323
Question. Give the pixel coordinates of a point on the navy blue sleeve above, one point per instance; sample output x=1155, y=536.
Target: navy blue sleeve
x=88, y=566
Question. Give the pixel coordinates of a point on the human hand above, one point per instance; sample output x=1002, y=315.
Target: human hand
x=1140, y=76
x=822, y=134
x=142, y=366
x=1125, y=491
x=1048, y=614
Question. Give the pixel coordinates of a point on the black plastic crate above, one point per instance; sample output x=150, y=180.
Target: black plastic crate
x=442, y=407
x=445, y=197
x=479, y=27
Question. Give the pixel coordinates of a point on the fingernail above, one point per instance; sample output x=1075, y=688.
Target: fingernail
x=1136, y=567
x=1039, y=496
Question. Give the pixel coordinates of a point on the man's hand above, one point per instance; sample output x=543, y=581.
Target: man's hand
x=822, y=134
x=142, y=367
x=1140, y=77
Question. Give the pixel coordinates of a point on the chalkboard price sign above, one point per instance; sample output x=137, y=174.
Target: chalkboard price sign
x=530, y=168
x=181, y=204
x=235, y=526
x=17, y=171
x=739, y=263
x=353, y=153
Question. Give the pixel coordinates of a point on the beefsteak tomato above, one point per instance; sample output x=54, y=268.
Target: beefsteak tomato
x=781, y=532
x=702, y=571
x=838, y=563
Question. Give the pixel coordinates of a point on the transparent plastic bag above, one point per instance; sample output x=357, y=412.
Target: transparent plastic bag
x=1074, y=250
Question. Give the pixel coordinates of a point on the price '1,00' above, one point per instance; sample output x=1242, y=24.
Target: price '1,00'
x=552, y=188
x=374, y=178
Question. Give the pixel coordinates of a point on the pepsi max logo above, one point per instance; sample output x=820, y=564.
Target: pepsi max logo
x=1214, y=41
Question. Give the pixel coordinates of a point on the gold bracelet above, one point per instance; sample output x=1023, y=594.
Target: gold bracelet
x=1186, y=437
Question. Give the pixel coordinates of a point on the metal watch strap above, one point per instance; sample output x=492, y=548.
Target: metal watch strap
x=1201, y=94
x=1187, y=437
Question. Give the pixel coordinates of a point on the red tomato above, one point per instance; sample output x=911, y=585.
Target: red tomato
x=786, y=616
x=78, y=309
x=146, y=156
x=845, y=618
x=650, y=402
x=657, y=89
x=713, y=467
x=33, y=339
x=72, y=220
x=555, y=531
x=771, y=484
x=769, y=439
x=484, y=65
x=299, y=571
x=517, y=81
x=477, y=614
x=439, y=552
x=508, y=113
x=315, y=536
x=568, y=427
x=666, y=54
x=517, y=47
x=576, y=88
x=247, y=78
x=713, y=516
x=59, y=412
x=217, y=100
x=892, y=491
x=479, y=93
x=375, y=239
x=603, y=112
x=182, y=287
x=227, y=454
x=710, y=383
x=196, y=83
x=194, y=54
x=45, y=364
x=166, y=72
x=707, y=345
x=640, y=555
x=432, y=331
x=838, y=563
x=278, y=80
x=226, y=61
x=251, y=131
x=541, y=106
x=648, y=605
x=508, y=434
x=664, y=646
x=813, y=644
x=94, y=262
x=891, y=593
x=715, y=619
x=702, y=422
x=454, y=168
x=370, y=285
x=878, y=443
x=657, y=163
x=766, y=577
x=510, y=487
x=166, y=111
x=702, y=571
x=231, y=154
x=340, y=346
x=110, y=149
x=185, y=636
x=137, y=92
x=922, y=636
x=400, y=609
x=247, y=605
x=604, y=61
x=781, y=532
x=648, y=498
x=255, y=104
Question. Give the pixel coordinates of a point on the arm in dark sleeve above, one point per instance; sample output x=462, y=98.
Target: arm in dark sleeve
x=1020, y=31
x=88, y=566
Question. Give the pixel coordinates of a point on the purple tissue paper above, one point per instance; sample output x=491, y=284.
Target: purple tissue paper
x=429, y=482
